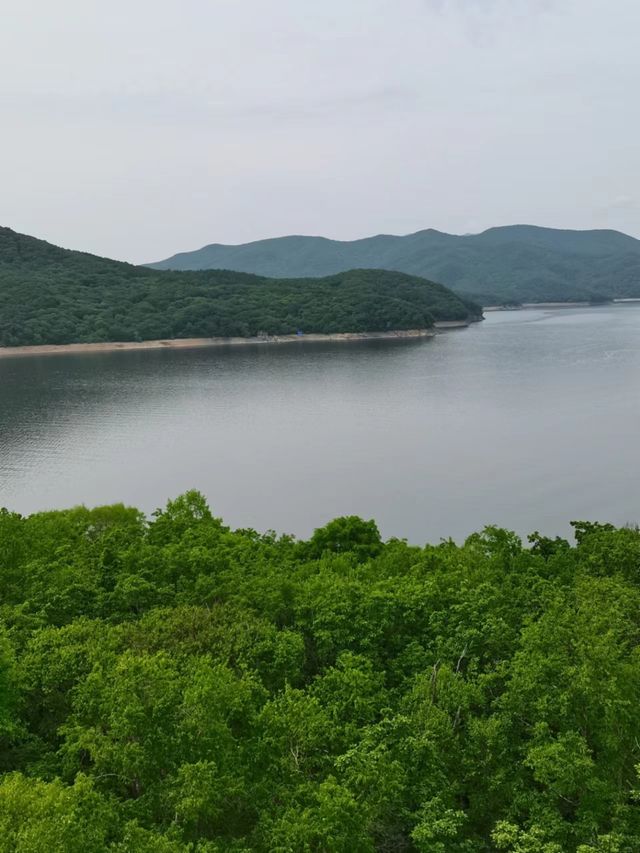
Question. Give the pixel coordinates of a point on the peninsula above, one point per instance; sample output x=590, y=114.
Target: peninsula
x=51, y=296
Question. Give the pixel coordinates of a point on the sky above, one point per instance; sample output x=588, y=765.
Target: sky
x=141, y=128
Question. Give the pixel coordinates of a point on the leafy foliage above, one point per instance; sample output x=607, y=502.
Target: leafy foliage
x=50, y=295
x=172, y=685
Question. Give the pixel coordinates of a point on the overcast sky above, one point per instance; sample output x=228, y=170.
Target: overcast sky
x=137, y=129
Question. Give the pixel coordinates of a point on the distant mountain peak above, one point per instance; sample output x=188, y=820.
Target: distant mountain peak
x=507, y=263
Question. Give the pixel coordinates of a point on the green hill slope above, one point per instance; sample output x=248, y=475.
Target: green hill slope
x=518, y=263
x=50, y=295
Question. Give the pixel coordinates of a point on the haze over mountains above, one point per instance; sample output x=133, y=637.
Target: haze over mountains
x=510, y=264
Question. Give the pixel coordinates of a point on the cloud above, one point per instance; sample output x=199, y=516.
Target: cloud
x=623, y=202
x=179, y=108
x=138, y=128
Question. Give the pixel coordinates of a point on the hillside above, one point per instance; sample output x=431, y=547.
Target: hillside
x=50, y=295
x=518, y=263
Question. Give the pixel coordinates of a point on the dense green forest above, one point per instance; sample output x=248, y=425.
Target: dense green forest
x=512, y=264
x=175, y=686
x=50, y=295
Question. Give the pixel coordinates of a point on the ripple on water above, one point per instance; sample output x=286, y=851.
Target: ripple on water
x=526, y=420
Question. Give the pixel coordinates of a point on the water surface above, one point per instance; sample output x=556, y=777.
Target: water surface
x=527, y=420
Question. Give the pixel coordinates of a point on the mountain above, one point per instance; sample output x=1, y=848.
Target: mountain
x=50, y=295
x=511, y=264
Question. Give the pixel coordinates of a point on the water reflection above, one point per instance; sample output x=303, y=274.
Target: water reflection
x=527, y=420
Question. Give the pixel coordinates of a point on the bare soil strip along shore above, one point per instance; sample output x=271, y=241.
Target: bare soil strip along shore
x=196, y=343
x=442, y=325
x=541, y=305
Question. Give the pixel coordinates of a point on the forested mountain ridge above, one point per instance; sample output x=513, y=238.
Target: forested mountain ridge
x=50, y=295
x=511, y=264
x=174, y=686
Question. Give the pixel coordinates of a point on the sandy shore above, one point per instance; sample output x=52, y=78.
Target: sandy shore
x=197, y=343
x=440, y=325
x=526, y=305
x=557, y=305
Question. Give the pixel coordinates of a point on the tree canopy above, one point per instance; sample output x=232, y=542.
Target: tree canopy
x=50, y=295
x=174, y=685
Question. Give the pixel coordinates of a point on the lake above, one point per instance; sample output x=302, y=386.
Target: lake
x=527, y=420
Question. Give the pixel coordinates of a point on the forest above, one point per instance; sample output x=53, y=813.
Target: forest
x=504, y=265
x=50, y=295
x=170, y=685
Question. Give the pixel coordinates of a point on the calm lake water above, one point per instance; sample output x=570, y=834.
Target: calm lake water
x=527, y=420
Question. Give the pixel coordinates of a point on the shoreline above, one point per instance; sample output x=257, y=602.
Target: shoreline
x=443, y=325
x=202, y=343
x=542, y=305
x=627, y=300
